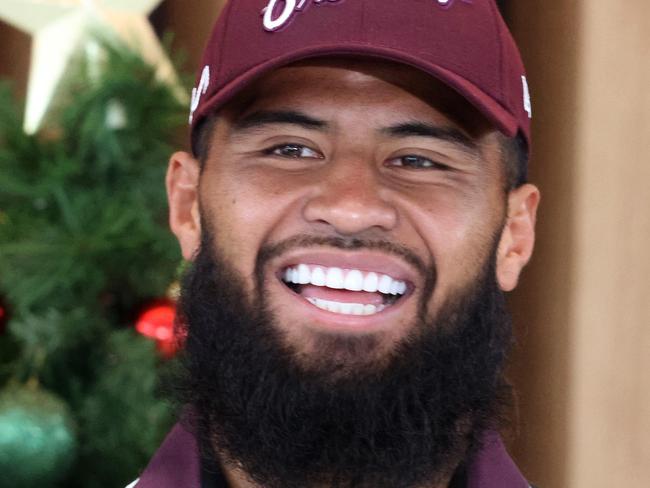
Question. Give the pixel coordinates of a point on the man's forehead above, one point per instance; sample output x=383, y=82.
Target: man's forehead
x=327, y=79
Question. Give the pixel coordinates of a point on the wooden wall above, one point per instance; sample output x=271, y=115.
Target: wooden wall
x=14, y=57
x=191, y=26
x=542, y=304
x=609, y=400
x=582, y=363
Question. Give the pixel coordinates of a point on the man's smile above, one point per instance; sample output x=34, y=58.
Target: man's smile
x=352, y=291
x=347, y=290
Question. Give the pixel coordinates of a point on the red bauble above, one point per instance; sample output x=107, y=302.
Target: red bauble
x=157, y=322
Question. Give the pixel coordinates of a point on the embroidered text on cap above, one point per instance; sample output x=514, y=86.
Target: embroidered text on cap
x=275, y=18
x=199, y=91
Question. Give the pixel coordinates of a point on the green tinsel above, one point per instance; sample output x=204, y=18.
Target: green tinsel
x=83, y=243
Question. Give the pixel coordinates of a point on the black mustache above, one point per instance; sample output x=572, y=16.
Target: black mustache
x=271, y=251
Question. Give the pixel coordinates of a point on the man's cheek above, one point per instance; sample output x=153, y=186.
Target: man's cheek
x=234, y=251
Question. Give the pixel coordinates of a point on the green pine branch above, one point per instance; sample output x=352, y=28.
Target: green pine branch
x=83, y=243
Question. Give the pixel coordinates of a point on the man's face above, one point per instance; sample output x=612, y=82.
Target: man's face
x=352, y=236
x=376, y=157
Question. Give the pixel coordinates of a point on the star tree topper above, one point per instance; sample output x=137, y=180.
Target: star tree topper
x=62, y=28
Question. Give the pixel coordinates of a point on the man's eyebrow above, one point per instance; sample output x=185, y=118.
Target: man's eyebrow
x=269, y=117
x=421, y=129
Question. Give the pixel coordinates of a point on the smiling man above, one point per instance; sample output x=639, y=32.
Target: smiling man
x=355, y=208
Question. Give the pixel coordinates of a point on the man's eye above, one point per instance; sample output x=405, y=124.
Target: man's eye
x=418, y=162
x=292, y=151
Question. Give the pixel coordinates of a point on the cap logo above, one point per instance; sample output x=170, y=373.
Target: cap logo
x=449, y=3
x=528, y=106
x=278, y=12
x=199, y=91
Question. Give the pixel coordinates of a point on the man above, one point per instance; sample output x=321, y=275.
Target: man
x=355, y=207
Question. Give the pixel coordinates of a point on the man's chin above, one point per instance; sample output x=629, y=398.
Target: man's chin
x=338, y=355
x=321, y=340
x=340, y=348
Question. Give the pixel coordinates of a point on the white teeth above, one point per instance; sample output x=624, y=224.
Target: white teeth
x=346, y=308
x=334, y=307
x=402, y=288
x=304, y=275
x=370, y=282
x=334, y=278
x=393, y=287
x=318, y=277
x=339, y=279
x=354, y=280
x=384, y=284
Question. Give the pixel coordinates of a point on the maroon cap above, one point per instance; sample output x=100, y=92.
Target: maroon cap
x=463, y=43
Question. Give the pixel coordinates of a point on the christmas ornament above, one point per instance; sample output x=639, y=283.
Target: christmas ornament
x=62, y=28
x=116, y=117
x=157, y=322
x=37, y=439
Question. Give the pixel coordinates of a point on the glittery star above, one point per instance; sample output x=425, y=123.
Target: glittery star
x=61, y=28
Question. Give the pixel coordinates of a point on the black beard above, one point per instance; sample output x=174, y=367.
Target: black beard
x=406, y=423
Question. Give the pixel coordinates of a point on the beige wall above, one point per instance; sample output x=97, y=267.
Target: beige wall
x=609, y=402
x=584, y=366
x=582, y=360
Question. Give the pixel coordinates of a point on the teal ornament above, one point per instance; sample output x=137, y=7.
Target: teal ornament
x=37, y=438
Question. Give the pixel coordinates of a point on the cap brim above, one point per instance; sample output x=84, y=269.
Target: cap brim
x=503, y=120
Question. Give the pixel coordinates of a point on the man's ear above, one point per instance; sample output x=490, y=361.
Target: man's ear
x=183, y=196
x=518, y=236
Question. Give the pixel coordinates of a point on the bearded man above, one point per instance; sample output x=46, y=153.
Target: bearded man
x=355, y=208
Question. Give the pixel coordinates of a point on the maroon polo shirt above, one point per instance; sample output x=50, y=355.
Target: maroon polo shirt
x=177, y=465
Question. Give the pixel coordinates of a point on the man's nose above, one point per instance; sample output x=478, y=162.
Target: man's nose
x=351, y=199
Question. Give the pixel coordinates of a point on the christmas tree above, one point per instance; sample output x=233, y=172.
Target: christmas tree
x=84, y=249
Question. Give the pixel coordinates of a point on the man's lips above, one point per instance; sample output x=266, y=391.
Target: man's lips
x=358, y=284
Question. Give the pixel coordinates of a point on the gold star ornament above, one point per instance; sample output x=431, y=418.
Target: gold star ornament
x=61, y=29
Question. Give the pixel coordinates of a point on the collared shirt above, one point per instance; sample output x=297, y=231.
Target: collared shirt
x=177, y=465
